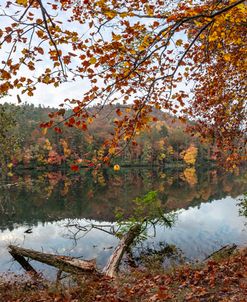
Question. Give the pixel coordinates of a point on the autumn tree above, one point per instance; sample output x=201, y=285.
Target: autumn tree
x=141, y=54
x=190, y=155
x=9, y=140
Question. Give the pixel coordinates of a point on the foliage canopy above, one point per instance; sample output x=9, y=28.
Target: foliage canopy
x=186, y=57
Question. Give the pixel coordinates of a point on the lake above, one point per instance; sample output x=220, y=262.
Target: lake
x=72, y=214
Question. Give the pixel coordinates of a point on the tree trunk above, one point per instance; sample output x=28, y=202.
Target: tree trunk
x=64, y=263
x=112, y=266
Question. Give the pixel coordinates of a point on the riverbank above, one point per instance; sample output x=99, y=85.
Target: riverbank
x=221, y=278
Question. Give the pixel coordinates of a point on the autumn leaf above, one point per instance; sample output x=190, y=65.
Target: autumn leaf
x=90, y=120
x=22, y=2
x=71, y=121
x=227, y=57
x=149, y=10
x=58, y=130
x=112, y=150
x=116, y=37
x=92, y=60
x=116, y=168
x=119, y=112
x=74, y=168
x=111, y=14
x=44, y=131
x=179, y=42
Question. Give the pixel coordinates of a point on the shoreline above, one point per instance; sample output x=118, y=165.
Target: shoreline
x=216, y=279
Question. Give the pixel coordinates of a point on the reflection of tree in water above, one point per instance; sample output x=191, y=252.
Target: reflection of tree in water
x=6, y=206
x=156, y=256
x=132, y=229
x=53, y=195
x=243, y=206
x=147, y=211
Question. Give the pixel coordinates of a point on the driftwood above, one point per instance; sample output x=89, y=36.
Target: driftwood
x=114, y=261
x=64, y=263
x=73, y=265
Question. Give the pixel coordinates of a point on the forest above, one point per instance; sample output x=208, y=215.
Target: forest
x=166, y=143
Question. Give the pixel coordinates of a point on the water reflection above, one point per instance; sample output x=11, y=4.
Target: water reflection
x=52, y=196
x=201, y=230
x=197, y=233
x=47, y=203
x=55, y=238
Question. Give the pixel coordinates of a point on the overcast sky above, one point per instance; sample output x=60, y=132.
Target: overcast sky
x=48, y=95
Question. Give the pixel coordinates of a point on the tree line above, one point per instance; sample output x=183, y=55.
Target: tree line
x=25, y=144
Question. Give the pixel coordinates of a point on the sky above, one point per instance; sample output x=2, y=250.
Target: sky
x=48, y=95
x=45, y=95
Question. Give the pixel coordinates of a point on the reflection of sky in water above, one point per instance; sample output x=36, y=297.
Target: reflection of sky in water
x=51, y=238
x=200, y=231
x=197, y=232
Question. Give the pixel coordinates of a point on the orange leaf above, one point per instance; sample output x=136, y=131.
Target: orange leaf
x=119, y=112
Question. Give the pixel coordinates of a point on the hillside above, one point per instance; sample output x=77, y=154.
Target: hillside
x=165, y=142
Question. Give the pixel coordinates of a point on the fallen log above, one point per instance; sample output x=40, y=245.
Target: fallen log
x=113, y=264
x=24, y=263
x=73, y=265
x=64, y=263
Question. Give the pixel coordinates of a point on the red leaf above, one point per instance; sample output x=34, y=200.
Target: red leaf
x=58, y=130
x=71, y=120
x=74, y=168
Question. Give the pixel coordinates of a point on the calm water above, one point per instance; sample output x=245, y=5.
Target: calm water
x=59, y=209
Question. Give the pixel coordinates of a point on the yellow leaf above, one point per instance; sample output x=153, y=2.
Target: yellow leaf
x=112, y=150
x=227, y=57
x=145, y=43
x=111, y=14
x=149, y=10
x=126, y=64
x=141, y=48
x=123, y=15
x=44, y=131
x=92, y=60
x=10, y=165
x=46, y=79
x=116, y=168
x=179, y=42
x=90, y=120
x=116, y=37
x=127, y=137
x=22, y=2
